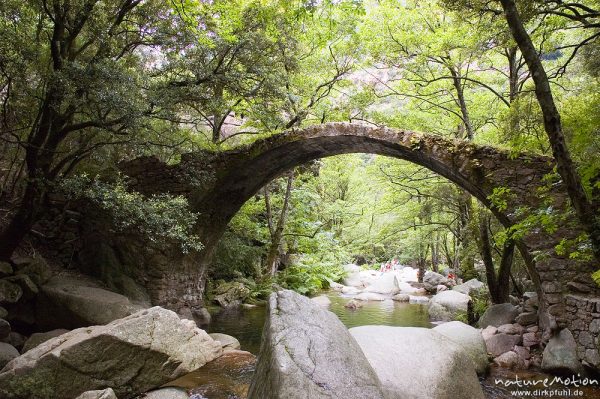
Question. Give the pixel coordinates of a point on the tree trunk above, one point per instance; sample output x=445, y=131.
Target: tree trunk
x=218, y=118
x=465, y=210
x=585, y=209
x=21, y=222
x=503, y=282
x=435, y=254
x=486, y=256
x=498, y=285
x=460, y=94
x=272, y=262
x=41, y=147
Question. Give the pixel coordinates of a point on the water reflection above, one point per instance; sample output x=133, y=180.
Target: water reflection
x=245, y=324
x=385, y=313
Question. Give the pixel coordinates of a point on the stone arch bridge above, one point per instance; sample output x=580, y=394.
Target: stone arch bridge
x=217, y=185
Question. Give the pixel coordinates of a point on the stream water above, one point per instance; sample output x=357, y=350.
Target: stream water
x=229, y=378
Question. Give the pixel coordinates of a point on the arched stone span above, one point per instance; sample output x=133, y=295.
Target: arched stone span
x=218, y=184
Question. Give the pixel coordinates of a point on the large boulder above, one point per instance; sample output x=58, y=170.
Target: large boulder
x=369, y=296
x=9, y=292
x=560, y=355
x=432, y=279
x=448, y=305
x=15, y=339
x=228, y=342
x=39, y=338
x=130, y=355
x=469, y=286
x=67, y=302
x=402, y=297
x=35, y=268
x=514, y=329
x=4, y=329
x=406, y=288
x=497, y=315
x=501, y=343
x=407, y=274
x=107, y=393
x=361, y=279
x=167, y=393
x=5, y=269
x=30, y=290
x=307, y=353
x=351, y=268
x=469, y=339
x=350, y=290
x=231, y=293
x=387, y=284
x=527, y=319
x=510, y=360
x=416, y=363
x=7, y=353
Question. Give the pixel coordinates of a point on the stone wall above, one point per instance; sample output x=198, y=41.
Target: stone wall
x=583, y=319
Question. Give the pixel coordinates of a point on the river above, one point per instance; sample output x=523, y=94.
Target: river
x=230, y=377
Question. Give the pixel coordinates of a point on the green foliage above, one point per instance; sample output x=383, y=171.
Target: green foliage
x=500, y=197
x=579, y=248
x=596, y=277
x=462, y=317
x=308, y=278
x=160, y=217
x=236, y=256
x=480, y=301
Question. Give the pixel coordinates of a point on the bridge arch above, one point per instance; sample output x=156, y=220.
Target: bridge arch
x=218, y=184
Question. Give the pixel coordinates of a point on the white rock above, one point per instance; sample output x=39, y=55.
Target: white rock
x=406, y=288
x=401, y=297
x=131, y=355
x=351, y=268
x=448, y=304
x=469, y=339
x=350, y=290
x=306, y=352
x=515, y=329
x=228, y=343
x=470, y=285
x=107, y=393
x=418, y=363
x=488, y=332
x=370, y=296
x=361, y=279
x=386, y=284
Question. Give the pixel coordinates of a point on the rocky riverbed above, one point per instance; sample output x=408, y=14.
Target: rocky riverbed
x=397, y=327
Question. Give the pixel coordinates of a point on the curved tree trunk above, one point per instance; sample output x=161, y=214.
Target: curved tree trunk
x=498, y=284
x=272, y=262
x=585, y=209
